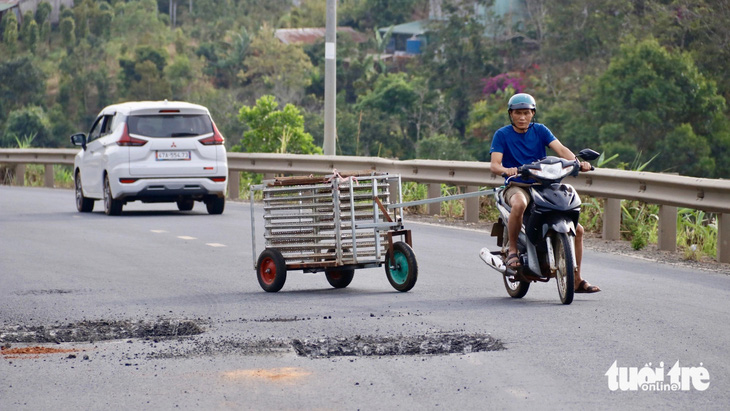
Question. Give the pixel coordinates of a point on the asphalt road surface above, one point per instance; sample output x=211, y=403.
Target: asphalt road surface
x=161, y=309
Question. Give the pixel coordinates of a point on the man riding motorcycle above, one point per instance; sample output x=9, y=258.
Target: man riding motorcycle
x=522, y=142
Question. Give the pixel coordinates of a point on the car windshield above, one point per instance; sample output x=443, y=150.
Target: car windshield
x=178, y=125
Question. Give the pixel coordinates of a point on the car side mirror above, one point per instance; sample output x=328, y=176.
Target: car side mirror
x=79, y=139
x=588, y=155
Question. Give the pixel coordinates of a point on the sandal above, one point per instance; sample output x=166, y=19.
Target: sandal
x=513, y=261
x=585, y=287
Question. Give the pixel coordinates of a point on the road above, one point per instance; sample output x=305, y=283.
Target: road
x=65, y=272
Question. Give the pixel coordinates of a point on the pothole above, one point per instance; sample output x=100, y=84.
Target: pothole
x=99, y=330
x=223, y=346
x=430, y=344
x=326, y=347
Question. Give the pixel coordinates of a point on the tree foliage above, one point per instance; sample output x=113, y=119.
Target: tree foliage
x=23, y=84
x=274, y=131
x=655, y=99
x=25, y=123
x=284, y=70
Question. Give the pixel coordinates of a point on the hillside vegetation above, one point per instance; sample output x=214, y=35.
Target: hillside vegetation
x=637, y=80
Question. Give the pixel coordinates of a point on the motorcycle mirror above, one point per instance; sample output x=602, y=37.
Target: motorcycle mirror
x=588, y=154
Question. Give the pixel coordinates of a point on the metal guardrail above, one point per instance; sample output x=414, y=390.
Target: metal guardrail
x=665, y=189
x=669, y=191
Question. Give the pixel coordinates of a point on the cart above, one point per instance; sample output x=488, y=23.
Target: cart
x=336, y=224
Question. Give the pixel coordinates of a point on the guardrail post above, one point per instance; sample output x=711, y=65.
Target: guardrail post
x=48, y=177
x=434, y=191
x=20, y=175
x=234, y=184
x=471, y=206
x=667, y=235
x=723, y=237
x=612, y=219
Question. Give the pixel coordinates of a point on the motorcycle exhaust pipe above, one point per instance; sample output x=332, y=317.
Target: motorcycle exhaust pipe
x=492, y=260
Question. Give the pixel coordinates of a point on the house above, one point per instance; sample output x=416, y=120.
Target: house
x=9, y=6
x=408, y=39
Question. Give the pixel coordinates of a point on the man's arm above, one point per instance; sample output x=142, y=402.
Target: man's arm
x=564, y=152
x=495, y=165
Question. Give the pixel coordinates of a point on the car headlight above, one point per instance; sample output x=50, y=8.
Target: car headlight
x=552, y=171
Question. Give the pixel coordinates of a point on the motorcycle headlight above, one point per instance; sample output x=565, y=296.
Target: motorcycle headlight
x=552, y=171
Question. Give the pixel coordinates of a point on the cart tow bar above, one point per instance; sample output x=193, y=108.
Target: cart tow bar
x=486, y=255
x=441, y=199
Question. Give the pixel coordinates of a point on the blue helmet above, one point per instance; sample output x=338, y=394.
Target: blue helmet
x=521, y=101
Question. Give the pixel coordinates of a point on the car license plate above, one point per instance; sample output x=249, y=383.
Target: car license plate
x=173, y=155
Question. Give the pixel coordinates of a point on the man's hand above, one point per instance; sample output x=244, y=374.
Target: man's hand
x=510, y=171
x=585, y=166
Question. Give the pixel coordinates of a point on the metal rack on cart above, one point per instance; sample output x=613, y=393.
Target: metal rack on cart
x=336, y=224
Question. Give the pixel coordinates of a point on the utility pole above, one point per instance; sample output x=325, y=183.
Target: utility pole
x=330, y=79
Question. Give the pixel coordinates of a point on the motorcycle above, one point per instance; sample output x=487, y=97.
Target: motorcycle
x=546, y=242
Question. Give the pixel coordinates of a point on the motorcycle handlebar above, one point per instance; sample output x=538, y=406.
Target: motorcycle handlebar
x=521, y=169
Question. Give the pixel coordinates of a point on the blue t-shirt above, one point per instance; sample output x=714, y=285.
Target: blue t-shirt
x=521, y=148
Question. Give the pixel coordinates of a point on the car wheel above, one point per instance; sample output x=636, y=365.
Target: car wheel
x=185, y=205
x=215, y=205
x=83, y=204
x=111, y=206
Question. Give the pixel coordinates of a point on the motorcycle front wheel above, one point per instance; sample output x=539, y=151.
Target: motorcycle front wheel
x=563, y=246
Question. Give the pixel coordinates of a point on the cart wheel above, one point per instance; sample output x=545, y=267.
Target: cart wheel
x=339, y=278
x=401, y=268
x=271, y=270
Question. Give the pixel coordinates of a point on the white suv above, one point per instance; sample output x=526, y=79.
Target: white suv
x=152, y=151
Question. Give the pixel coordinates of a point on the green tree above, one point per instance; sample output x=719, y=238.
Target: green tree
x=33, y=37
x=284, y=70
x=698, y=27
x=274, y=131
x=10, y=31
x=442, y=147
x=22, y=83
x=180, y=75
x=149, y=84
x=310, y=13
x=585, y=29
x=68, y=32
x=458, y=56
x=25, y=26
x=143, y=77
x=43, y=12
x=486, y=117
x=693, y=153
x=413, y=108
x=648, y=93
x=225, y=57
x=138, y=22
x=26, y=122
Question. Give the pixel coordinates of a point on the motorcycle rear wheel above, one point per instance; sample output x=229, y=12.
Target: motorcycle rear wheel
x=563, y=246
x=516, y=289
